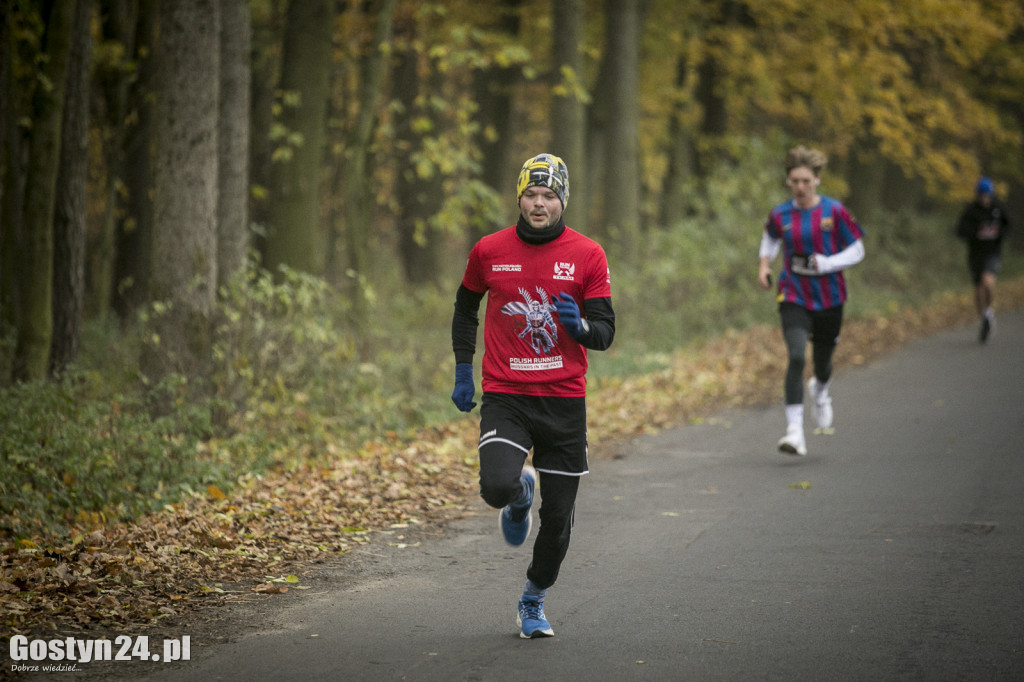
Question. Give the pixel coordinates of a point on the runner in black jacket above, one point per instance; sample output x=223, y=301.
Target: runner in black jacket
x=984, y=225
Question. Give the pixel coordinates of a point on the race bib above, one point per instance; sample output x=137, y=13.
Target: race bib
x=803, y=264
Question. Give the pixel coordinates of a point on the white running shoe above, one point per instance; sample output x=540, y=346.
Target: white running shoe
x=793, y=443
x=821, y=404
x=988, y=325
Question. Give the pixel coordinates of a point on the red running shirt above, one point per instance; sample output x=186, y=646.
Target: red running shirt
x=527, y=351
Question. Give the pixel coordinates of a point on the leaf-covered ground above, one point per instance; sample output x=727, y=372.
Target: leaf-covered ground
x=209, y=550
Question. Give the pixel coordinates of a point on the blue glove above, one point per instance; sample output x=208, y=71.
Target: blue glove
x=462, y=396
x=569, y=315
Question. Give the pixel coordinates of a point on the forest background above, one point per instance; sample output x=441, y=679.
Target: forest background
x=231, y=231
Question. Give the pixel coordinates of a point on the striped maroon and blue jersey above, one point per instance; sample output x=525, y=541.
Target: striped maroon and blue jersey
x=827, y=228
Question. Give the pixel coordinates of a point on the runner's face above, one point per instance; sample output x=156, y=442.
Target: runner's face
x=804, y=186
x=540, y=207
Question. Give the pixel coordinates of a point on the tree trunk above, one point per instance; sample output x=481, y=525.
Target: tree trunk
x=421, y=196
x=266, y=62
x=681, y=159
x=730, y=16
x=69, y=217
x=354, y=180
x=568, y=109
x=233, y=138
x=119, y=19
x=622, y=163
x=11, y=192
x=295, y=234
x=185, y=198
x=35, y=266
x=597, y=118
x=865, y=172
x=128, y=288
x=495, y=87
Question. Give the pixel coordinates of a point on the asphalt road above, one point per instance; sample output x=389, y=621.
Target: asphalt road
x=893, y=551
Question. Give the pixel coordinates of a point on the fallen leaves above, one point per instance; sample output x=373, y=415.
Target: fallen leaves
x=162, y=566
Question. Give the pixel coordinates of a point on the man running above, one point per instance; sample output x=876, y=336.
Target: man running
x=819, y=239
x=548, y=301
x=983, y=225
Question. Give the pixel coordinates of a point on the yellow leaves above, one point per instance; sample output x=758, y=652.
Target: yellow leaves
x=801, y=485
x=215, y=493
x=909, y=71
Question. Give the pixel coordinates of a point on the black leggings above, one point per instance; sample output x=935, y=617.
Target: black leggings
x=821, y=328
x=555, y=429
x=557, y=507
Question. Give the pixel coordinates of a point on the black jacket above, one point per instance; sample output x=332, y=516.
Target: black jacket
x=983, y=228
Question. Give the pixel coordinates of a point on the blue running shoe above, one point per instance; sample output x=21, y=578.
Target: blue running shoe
x=515, y=519
x=531, y=620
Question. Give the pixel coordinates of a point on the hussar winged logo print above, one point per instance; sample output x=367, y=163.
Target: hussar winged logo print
x=565, y=269
x=539, y=329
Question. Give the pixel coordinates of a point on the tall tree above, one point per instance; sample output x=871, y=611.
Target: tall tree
x=267, y=29
x=185, y=193
x=680, y=153
x=233, y=138
x=296, y=236
x=69, y=214
x=129, y=232
x=354, y=179
x=621, y=183
x=113, y=76
x=495, y=86
x=728, y=19
x=419, y=180
x=10, y=193
x=35, y=267
x=568, y=108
